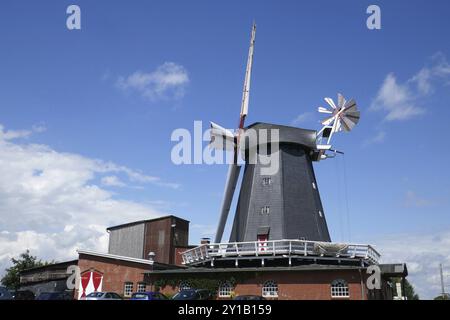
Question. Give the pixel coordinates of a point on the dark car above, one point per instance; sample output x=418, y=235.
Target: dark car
x=54, y=296
x=249, y=297
x=5, y=294
x=193, y=294
x=148, y=296
x=103, y=296
x=23, y=295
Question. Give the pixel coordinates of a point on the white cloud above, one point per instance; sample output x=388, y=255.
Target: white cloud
x=112, y=181
x=423, y=253
x=19, y=134
x=39, y=128
x=401, y=101
x=50, y=202
x=13, y=134
x=412, y=199
x=301, y=118
x=398, y=100
x=378, y=138
x=204, y=230
x=168, y=81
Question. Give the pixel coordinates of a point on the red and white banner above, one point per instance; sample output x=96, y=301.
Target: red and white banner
x=90, y=281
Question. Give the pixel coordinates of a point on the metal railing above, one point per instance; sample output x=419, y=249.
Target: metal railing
x=283, y=248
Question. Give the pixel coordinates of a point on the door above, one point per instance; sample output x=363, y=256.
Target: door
x=262, y=242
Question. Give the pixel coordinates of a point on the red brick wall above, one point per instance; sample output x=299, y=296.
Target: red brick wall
x=294, y=285
x=115, y=272
x=178, y=250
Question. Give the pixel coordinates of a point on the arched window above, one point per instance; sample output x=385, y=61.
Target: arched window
x=339, y=289
x=184, y=285
x=270, y=289
x=225, y=290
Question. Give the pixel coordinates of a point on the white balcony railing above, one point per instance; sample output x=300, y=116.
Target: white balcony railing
x=281, y=248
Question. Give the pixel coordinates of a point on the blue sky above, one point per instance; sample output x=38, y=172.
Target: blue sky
x=69, y=97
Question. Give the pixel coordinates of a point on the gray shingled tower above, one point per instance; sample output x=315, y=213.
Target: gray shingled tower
x=285, y=205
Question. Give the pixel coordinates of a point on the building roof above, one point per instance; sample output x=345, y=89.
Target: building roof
x=51, y=267
x=294, y=135
x=157, y=265
x=145, y=221
x=394, y=269
x=310, y=267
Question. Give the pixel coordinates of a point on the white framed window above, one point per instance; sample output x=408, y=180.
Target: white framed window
x=128, y=289
x=270, y=289
x=265, y=210
x=225, y=290
x=184, y=285
x=141, y=287
x=267, y=181
x=339, y=289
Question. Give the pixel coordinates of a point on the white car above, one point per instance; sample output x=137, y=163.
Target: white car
x=103, y=296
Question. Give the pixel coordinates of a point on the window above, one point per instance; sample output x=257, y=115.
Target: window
x=265, y=210
x=184, y=285
x=339, y=289
x=314, y=185
x=128, y=289
x=320, y=214
x=225, y=290
x=267, y=181
x=161, y=237
x=141, y=287
x=270, y=289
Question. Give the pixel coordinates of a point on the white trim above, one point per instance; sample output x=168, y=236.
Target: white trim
x=270, y=289
x=113, y=256
x=225, y=290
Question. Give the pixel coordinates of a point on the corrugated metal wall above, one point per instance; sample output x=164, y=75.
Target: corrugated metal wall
x=127, y=241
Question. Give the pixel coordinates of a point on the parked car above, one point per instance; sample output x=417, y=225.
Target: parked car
x=5, y=294
x=103, y=296
x=148, y=296
x=249, y=297
x=193, y=294
x=23, y=295
x=54, y=296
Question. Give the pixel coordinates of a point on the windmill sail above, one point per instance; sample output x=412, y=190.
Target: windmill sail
x=248, y=74
x=221, y=137
x=230, y=187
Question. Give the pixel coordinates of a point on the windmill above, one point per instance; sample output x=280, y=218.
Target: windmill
x=285, y=205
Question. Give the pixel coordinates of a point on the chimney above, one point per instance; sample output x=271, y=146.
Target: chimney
x=151, y=257
x=205, y=241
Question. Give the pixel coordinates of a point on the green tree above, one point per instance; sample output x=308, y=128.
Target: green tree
x=442, y=297
x=410, y=293
x=11, y=279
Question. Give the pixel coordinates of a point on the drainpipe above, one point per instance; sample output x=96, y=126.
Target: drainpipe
x=151, y=258
x=362, y=285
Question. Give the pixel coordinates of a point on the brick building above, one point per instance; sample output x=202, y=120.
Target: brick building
x=306, y=282
x=113, y=273
x=313, y=275
x=48, y=278
x=134, y=248
x=151, y=255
